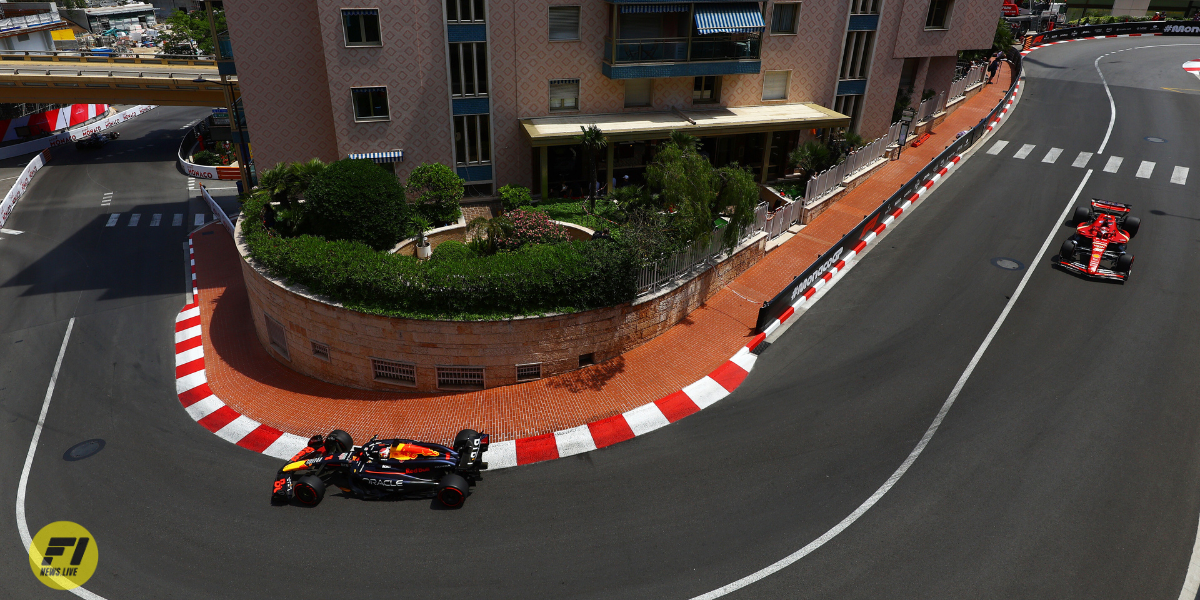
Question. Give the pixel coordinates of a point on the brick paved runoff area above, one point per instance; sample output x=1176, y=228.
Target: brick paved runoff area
x=247, y=379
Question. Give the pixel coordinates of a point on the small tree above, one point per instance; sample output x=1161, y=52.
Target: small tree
x=356, y=200
x=488, y=233
x=1003, y=40
x=514, y=196
x=811, y=158
x=593, y=141
x=436, y=190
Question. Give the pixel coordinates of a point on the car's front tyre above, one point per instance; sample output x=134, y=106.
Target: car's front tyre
x=1067, y=252
x=308, y=490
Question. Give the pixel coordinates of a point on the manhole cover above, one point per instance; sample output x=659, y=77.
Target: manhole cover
x=83, y=450
x=1008, y=264
x=1156, y=140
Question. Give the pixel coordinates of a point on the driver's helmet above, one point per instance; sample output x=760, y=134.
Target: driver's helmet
x=385, y=452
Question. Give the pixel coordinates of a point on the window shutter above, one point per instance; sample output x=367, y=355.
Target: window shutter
x=564, y=23
x=637, y=92
x=775, y=85
x=564, y=89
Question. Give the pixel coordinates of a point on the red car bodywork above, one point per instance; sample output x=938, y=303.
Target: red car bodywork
x=1105, y=230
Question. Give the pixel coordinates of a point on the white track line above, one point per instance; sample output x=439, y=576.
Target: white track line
x=1024, y=151
x=1114, y=163
x=133, y=220
x=1052, y=155
x=1179, y=175
x=177, y=220
x=1145, y=169
x=112, y=220
x=22, y=524
x=1081, y=161
x=933, y=427
x=997, y=147
x=1112, y=105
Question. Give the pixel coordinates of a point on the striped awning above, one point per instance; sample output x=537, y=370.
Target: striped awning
x=729, y=18
x=381, y=157
x=654, y=8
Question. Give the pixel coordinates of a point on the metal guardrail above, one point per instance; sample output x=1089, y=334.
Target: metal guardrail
x=826, y=181
x=86, y=56
x=106, y=73
x=959, y=87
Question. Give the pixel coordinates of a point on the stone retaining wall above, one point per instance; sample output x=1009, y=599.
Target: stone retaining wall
x=556, y=342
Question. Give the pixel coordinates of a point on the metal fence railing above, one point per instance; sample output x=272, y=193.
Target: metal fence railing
x=828, y=180
x=959, y=87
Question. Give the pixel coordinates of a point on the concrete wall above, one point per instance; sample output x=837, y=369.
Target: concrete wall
x=557, y=341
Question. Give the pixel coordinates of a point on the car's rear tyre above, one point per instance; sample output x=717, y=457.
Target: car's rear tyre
x=308, y=490
x=452, y=490
x=1131, y=225
x=1124, y=263
x=1067, y=252
x=338, y=441
x=1082, y=214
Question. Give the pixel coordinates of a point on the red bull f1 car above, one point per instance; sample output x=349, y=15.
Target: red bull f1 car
x=382, y=469
x=1097, y=248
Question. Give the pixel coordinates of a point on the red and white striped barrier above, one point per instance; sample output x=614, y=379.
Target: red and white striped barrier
x=1192, y=66
x=1090, y=37
x=191, y=384
x=1004, y=111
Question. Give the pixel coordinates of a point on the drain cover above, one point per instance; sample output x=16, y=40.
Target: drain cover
x=1156, y=140
x=1008, y=264
x=83, y=450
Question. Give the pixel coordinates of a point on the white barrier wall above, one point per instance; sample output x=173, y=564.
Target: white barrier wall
x=18, y=188
x=216, y=208
x=73, y=134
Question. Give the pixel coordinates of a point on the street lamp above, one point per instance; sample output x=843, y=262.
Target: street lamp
x=234, y=125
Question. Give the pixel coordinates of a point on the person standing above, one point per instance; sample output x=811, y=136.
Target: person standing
x=993, y=68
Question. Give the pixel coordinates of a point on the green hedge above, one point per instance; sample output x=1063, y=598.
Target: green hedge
x=536, y=279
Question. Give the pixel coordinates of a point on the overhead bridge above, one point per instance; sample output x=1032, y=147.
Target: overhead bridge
x=57, y=77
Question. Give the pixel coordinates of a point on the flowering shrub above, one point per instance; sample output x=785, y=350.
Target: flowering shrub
x=531, y=227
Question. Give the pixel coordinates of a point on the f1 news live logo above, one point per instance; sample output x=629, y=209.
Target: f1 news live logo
x=63, y=555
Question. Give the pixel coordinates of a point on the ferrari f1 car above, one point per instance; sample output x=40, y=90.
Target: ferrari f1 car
x=1097, y=248
x=382, y=469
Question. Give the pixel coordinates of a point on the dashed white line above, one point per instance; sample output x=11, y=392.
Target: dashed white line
x=1081, y=161
x=15, y=232
x=1114, y=163
x=199, y=219
x=1179, y=175
x=1024, y=151
x=177, y=221
x=155, y=220
x=133, y=220
x=997, y=147
x=1052, y=155
x=112, y=220
x=1145, y=169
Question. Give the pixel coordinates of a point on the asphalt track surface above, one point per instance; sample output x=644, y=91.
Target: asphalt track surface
x=1066, y=469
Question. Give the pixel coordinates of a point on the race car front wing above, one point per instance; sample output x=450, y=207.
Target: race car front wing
x=1082, y=269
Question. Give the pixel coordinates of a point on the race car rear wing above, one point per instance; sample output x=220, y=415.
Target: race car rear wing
x=1113, y=208
x=470, y=452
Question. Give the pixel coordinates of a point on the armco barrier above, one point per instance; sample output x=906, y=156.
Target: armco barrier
x=105, y=123
x=203, y=171
x=18, y=189
x=216, y=208
x=781, y=306
x=1115, y=29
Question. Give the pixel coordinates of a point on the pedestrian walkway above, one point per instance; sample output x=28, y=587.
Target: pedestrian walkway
x=252, y=383
x=1145, y=169
x=156, y=219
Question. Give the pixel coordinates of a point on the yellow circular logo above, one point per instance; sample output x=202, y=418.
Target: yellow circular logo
x=63, y=555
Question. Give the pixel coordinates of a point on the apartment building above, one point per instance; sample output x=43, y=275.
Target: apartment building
x=499, y=89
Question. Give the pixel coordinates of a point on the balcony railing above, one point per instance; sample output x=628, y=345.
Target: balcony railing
x=672, y=50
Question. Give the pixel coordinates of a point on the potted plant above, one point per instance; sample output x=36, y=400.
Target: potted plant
x=424, y=249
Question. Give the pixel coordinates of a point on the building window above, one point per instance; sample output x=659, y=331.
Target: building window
x=564, y=94
x=277, y=336
x=390, y=371
x=361, y=27
x=468, y=69
x=775, y=85
x=851, y=106
x=564, y=23
x=472, y=140
x=939, y=14
x=320, y=350
x=370, y=104
x=464, y=11
x=864, y=7
x=706, y=89
x=783, y=20
x=458, y=378
x=856, y=57
x=529, y=372
x=637, y=92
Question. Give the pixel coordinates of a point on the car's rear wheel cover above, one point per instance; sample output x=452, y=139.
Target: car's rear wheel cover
x=451, y=496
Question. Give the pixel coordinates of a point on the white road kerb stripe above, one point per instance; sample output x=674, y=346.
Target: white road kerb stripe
x=916, y=452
